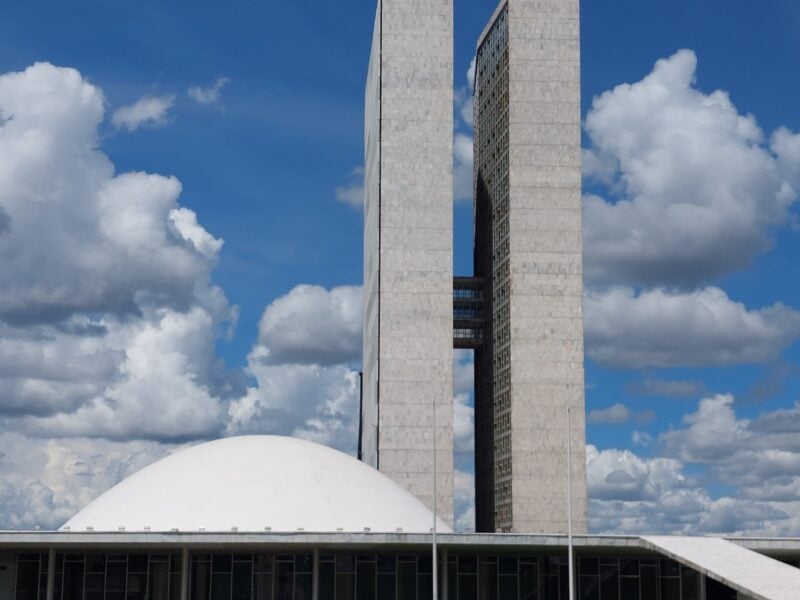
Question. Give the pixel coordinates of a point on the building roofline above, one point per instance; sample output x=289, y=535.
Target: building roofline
x=343, y=540
x=491, y=21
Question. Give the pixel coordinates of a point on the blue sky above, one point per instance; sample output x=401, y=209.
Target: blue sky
x=260, y=167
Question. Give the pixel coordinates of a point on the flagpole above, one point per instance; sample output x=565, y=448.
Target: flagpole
x=435, y=565
x=569, y=506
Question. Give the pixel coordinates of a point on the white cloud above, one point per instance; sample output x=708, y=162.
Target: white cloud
x=149, y=110
x=312, y=325
x=44, y=482
x=464, y=501
x=667, y=388
x=698, y=190
x=353, y=193
x=303, y=384
x=209, y=95
x=462, y=167
x=107, y=313
x=314, y=402
x=666, y=329
x=614, y=414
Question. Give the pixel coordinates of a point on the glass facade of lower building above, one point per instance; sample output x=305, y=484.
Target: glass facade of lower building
x=347, y=576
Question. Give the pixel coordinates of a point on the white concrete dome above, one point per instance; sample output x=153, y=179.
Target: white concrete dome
x=252, y=483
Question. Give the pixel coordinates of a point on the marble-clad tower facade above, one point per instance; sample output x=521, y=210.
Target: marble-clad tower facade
x=527, y=170
x=408, y=248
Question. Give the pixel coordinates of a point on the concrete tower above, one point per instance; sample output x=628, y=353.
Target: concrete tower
x=408, y=248
x=529, y=367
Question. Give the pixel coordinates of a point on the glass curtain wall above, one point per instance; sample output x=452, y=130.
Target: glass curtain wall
x=346, y=576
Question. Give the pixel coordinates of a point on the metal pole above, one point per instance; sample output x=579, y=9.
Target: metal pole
x=51, y=573
x=435, y=567
x=569, y=506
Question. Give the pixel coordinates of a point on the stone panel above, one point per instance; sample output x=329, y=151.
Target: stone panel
x=415, y=247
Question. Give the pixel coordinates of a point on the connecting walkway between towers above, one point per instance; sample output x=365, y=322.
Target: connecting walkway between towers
x=753, y=575
x=468, y=312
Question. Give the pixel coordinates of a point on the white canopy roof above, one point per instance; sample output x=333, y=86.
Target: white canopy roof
x=747, y=572
x=256, y=482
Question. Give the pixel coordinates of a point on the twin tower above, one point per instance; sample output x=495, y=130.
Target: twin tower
x=521, y=310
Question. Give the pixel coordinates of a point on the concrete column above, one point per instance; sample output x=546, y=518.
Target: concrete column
x=315, y=576
x=702, y=584
x=185, y=574
x=51, y=573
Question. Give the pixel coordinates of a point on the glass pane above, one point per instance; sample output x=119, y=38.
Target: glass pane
x=327, y=581
x=137, y=586
x=94, y=582
x=387, y=564
x=424, y=586
x=95, y=563
x=262, y=563
x=345, y=563
x=201, y=581
x=467, y=587
x=284, y=581
x=508, y=565
x=406, y=581
x=302, y=586
x=345, y=586
x=137, y=563
x=73, y=581
x=174, y=586
x=220, y=586
x=508, y=587
x=365, y=581
x=690, y=583
x=629, y=566
x=649, y=583
x=590, y=588
x=467, y=564
x=487, y=579
x=303, y=563
x=588, y=566
x=242, y=580
x=159, y=581
x=386, y=587
x=629, y=588
x=609, y=583
x=263, y=586
x=670, y=568
x=221, y=563
x=116, y=575
x=27, y=580
x=670, y=588
x=528, y=580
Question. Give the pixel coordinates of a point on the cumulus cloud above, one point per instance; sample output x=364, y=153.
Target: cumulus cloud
x=107, y=311
x=208, y=95
x=696, y=188
x=462, y=167
x=353, y=193
x=149, y=110
x=43, y=483
x=759, y=458
x=667, y=388
x=300, y=363
x=635, y=495
x=312, y=325
x=661, y=328
x=464, y=501
x=314, y=402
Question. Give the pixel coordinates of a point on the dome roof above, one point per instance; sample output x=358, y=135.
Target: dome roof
x=252, y=483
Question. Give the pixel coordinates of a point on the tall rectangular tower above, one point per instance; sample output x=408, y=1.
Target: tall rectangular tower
x=528, y=253
x=408, y=248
